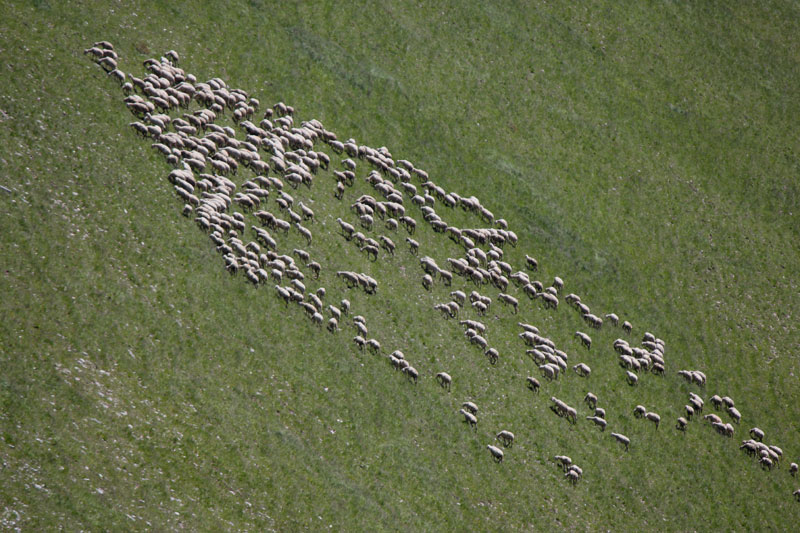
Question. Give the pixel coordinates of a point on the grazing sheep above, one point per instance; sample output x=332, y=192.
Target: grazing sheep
x=599, y=411
x=505, y=437
x=411, y=373
x=622, y=439
x=735, y=414
x=427, y=282
x=563, y=461
x=793, y=469
x=639, y=411
x=796, y=495
x=469, y=418
x=585, y=339
x=533, y=384
x=631, y=378
x=712, y=418
x=497, y=453
x=682, y=423
x=413, y=245
x=727, y=401
x=444, y=380
x=531, y=263
x=333, y=325
x=716, y=401
x=317, y=319
x=360, y=342
x=373, y=345
x=582, y=370
x=471, y=407
x=654, y=418
x=689, y=411
x=573, y=475
x=598, y=421
x=590, y=400
x=757, y=434
x=558, y=284
x=613, y=318
x=627, y=327
x=345, y=306
x=493, y=355
x=509, y=300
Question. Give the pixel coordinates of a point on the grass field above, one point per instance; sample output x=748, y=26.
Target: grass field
x=647, y=154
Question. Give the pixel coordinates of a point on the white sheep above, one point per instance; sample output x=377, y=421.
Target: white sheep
x=631, y=378
x=333, y=325
x=622, y=439
x=654, y=418
x=639, y=411
x=757, y=434
x=427, y=282
x=681, y=424
x=563, y=461
x=411, y=373
x=373, y=345
x=627, y=327
x=509, y=300
x=599, y=411
x=590, y=400
x=444, y=380
x=471, y=407
x=598, y=421
x=735, y=414
x=582, y=370
x=585, y=339
x=506, y=437
x=533, y=384
x=793, y=469
x=497, y=453
x=469, y=418
x=493, y=355
x=796, y=495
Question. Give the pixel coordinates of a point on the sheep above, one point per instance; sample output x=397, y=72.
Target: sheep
x=305, y=232
x=317, y=319
x=728, y=402
x=598, y=421
x=360, y=342
x=689, y=411
x=469, y=418
x=533, y=384
x=631, y=378
x=613, y=318
x=427, y=282
x=531, y=263
x=493, y=355
x=582, y=370
x=796, y=495
x=572, y=476
x=712, y=419
x=550, y=372
x=776, y=450
x=509, y=300
x=411, y=373
x=584, y=338
x=471, y=407
x=757, y=434
x=444, y=380
x=506, y=438
x=315, y=268
x=563, y=461
x=371, y=251
x=459, y=297
x=590, y=400
x=793, y=469
x=373, y=345
x=639, y=411
x=497, y=453
x=622, y=439
x=558, y=284
x=681, y=424
x=413, y=245
x=766, y=463
x=627, y=327
x=347, y=229
x=654, y=418
x=735, y=414
x=600, y=412
x=716, y=401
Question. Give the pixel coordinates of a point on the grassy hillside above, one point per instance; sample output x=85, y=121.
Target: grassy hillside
x=646, y=155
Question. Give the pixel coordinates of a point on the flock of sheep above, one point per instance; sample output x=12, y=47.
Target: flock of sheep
x=178, y=114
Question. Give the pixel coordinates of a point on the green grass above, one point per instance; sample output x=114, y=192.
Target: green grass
x=646, y=154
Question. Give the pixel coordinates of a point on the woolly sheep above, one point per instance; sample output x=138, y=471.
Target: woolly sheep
x=411, y=373
x=469, y=418
x=373, y=345
x=493, y=355
x=573, y=476
x=716, y=401
x=793, y=469
x=631, y=378
x=639, y=411
x=317, y=319
x=613, y=318
x=796, y=495
x=654, y=418
x=727, y=401
x=681, y=424
x=360, y=342
x=627, y=327
x=598, y=421
x=584, y=338
x=590, y=400
x=497, y=453
x=622, y=439
x=506, y=438
x=757, y=434
x=444, y=380
x=509, y=300
x=563, y=461
x=582, y=370
x=471, y=407
x=533, y=384
x=735, y=414
x=599, y=411
x=531, y=263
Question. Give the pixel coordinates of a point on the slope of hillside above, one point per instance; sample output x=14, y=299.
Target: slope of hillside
x=646, y=156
